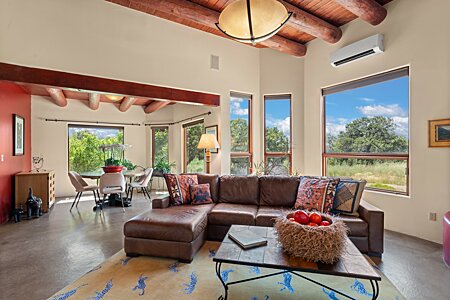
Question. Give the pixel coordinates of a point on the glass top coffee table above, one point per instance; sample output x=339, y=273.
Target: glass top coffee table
x=352, y=264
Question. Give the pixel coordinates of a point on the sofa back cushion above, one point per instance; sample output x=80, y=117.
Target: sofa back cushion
x=239, y=189
x=278, y=190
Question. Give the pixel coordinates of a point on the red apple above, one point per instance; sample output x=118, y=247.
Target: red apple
x=315, y=218
x=312, y=224
x=325, y=223
x=301, y=217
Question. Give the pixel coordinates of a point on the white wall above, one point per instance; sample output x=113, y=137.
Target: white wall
x=416, y=34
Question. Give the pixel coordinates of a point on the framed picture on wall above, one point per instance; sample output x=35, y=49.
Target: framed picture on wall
x=439, y=133
x=213, y=130
x=19, y=135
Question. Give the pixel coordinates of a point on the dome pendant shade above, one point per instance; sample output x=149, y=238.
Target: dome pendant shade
x=253, y=21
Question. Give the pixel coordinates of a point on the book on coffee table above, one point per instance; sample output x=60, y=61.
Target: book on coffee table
x=247, y=239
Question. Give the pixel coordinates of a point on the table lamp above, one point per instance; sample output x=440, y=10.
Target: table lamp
x=208, y=142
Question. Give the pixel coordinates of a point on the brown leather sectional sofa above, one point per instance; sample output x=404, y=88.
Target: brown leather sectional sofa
x=179, y=231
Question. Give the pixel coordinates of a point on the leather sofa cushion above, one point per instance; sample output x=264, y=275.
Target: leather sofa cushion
x=213, y=181
x=357, y=226
x=183, y=223
x=278, y=190
x=266, y=215
x=229, y=214
x=239, y=189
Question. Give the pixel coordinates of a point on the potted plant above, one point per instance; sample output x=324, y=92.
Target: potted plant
x=114, y=157
x=162, y=167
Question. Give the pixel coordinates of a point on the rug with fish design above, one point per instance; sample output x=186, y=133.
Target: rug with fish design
x=121, y=277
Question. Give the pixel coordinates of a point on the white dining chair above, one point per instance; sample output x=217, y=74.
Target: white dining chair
x=142, y=183
x=81, y=186
x=112, y=183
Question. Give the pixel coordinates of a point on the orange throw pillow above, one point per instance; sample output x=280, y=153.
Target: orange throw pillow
x=184, y=182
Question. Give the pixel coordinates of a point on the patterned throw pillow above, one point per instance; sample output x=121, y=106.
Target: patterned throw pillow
x=174, y=190
x=200, y=194
x=184, y=181
x=348, y=196
x=316, y=194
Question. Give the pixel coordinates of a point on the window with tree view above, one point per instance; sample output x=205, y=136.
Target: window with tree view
x=240, y=132
x=160, y=145
x=194, y=160
x=84, y=142
x=366, y=131
x=277, y=134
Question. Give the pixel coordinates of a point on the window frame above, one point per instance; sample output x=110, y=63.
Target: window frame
x=184, y=126
x=275, y=97
x=362, y=82
x=122, y=128
x=249, y=154
x=154, y=129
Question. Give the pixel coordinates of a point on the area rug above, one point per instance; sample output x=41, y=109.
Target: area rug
x=121, y=277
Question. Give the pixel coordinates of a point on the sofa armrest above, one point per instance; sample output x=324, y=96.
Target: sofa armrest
x=375, y=218
x=161, y=202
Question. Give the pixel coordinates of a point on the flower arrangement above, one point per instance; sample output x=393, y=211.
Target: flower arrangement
x=113, y=156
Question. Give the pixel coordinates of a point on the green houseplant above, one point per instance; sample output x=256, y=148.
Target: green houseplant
x=162, y=167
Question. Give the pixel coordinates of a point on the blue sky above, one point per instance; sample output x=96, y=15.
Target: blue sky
x=389, y=99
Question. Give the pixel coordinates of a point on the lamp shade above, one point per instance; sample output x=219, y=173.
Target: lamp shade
x=252, y=21
x=208, y=141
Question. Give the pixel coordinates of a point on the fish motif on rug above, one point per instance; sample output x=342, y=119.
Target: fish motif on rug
x=287, y=283
x=359, y=287
x=224, y=274
x=68, y=294
x=331, y=295
x=102, y=293
x=255, y=270
x=256, y=298
x=190, y=286
x=212, y=252
x=125, y=260
x=141, y=285
x=174, y=267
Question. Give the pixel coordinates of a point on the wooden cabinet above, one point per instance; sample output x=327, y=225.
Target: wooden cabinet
x=42, y=183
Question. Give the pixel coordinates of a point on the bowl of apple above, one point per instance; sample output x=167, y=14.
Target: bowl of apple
x=312, y=236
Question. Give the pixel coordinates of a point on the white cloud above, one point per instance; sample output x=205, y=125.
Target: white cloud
x=390, y=110
x=335, y=129
x=401, y=125
x=282, y=124
x=235, y=107
x=365, y=99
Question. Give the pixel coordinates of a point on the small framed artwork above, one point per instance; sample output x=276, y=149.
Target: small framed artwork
x=19, y=135
x=439, y=133
x=213, y=130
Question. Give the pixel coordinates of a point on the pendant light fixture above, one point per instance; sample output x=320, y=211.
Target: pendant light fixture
x=253, y=21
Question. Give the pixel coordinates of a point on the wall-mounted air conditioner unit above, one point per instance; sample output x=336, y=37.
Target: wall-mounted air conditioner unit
x=360, y=49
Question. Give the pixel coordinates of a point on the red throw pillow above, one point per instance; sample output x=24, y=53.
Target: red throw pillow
x=174, y=189
x=200, y=194
x=316, y=194
x=184, y=182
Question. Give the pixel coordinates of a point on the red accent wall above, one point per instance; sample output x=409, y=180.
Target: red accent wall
x=13, y=100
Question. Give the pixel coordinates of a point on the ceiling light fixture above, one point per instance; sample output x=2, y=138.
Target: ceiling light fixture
x=253, y=21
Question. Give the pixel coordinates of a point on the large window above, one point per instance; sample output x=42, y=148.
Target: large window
x=194, y=159
x=84, y=142
x=277, y=134
x=160, y=144
x=241, y=134
x=366, y=131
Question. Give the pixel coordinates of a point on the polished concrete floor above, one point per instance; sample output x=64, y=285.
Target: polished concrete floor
x=40, y=257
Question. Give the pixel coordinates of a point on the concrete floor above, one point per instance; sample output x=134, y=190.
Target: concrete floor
x=40, y=257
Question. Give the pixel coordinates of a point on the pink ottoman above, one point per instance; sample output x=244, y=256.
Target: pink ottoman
x=447, y=239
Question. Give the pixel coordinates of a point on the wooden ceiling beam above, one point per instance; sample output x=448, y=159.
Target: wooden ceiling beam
x=126, y=103
x=64, y=80
x=155, y=105
x=94, y=101
x=207, y=17
x=306, y=22
x=57, y=96
x=368, y=10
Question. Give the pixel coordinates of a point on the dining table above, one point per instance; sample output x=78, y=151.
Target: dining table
x=113, y=198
